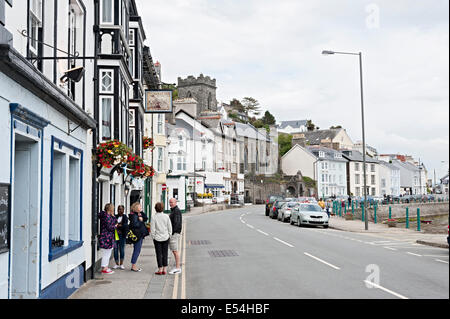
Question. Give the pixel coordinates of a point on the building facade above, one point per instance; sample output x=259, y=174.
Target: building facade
x=355, y=174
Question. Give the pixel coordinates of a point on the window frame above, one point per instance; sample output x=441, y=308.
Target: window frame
x=102, y=73
x=112, y=13
x=69, y=152
x=100, y=124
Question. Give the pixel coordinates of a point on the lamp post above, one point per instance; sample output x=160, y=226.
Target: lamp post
x=327, y=52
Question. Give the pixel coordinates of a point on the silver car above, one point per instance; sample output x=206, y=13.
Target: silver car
x=284, y=214
x=309, y=214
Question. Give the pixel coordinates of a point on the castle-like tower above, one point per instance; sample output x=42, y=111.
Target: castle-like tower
x=202, y=89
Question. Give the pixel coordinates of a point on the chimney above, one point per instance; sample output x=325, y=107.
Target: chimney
x=299, y=139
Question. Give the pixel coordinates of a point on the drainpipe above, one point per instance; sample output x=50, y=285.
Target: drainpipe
x=94, y=144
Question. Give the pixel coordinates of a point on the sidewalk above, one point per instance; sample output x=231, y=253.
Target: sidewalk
x=382, y=230
x=126, y=284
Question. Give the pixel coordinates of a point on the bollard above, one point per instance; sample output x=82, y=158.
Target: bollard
x=390, y=212
x=362, y=214
x=418, y=219
x=407, y=217
x=375, y=213
x=353, y=208
x=340, y=210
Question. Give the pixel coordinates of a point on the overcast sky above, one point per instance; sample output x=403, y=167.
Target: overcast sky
x=271, y=50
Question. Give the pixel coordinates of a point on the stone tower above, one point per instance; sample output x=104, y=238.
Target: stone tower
x=202, y=89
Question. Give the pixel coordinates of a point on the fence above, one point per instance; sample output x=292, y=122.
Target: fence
x=378, y=213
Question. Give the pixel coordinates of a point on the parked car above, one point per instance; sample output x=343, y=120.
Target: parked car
x=284, y=214
x=270, y=201
x=309, y=214
x=275, y=208
x=407, y=198
x=306, y=200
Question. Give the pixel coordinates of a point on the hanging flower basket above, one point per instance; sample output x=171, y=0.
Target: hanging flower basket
x=148, y=143
x=111, y=153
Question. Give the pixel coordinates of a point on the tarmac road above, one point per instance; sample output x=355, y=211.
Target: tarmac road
x=242, y=253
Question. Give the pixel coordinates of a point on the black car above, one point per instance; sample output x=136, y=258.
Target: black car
x=270, y=201
x=275, y=207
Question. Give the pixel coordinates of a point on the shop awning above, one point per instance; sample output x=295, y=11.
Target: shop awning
x=214, y=186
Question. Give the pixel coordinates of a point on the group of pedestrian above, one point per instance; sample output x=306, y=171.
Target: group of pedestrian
x=115, y=230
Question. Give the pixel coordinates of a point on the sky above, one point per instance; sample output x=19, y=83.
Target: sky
x=271, y=50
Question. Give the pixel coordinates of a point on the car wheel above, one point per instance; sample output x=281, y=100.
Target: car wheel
x=291, y=221
x=326, y=226
x=299, y=222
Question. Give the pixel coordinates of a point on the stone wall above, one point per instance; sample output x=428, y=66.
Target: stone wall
x=202, y=89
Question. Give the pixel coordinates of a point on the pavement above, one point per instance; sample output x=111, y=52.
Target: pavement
x=126, y=284
x=383, y=231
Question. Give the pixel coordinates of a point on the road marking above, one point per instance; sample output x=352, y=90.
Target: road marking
x=442, y=261
x=262, y=232
x=390, y=248
x=322, y=261
x=283, y=242
x=387, y=290
x=438, y=256
x=413, y=254
x=250, y=226
x=183, y=269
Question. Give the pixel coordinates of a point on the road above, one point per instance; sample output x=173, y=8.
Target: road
x=242, y=253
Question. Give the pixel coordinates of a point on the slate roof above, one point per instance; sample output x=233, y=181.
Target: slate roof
x=329, y=153
x=315, y=137
x=249, y=131
x=293, y=124
x=356, y=156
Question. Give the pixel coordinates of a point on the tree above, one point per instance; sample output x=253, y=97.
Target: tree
x=251, y=106
x=335, y=127
x=284, y=143
x=268, y=119
x=237, y=105
x=310, y=126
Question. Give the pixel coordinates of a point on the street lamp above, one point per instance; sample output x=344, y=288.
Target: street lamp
x=328, y=52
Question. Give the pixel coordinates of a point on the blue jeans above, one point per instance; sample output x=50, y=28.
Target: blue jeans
x=136, y=251
x=119, y=249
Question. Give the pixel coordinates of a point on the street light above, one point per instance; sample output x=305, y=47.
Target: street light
x=328, y=52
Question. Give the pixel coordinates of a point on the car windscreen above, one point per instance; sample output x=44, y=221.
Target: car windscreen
x=279, y=204
x=292, y=204
x=311, y=208
x=273, y=198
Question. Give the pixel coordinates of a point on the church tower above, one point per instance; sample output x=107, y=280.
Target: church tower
x=202, y=89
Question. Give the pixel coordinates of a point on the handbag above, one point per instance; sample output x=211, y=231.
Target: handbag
x=116, y=235
x=131, y=237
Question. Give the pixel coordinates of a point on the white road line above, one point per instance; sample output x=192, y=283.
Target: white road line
x=318, y=259
x=438, y=256
x=387, y=290
x=262, y=232
x=283, y=242
x=413, y=254
x=250, y=226
x=390, y=248
x=442, y=261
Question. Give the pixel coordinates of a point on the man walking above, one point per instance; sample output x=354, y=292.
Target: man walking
x=176, y=219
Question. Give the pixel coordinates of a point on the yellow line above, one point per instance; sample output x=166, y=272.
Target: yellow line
x=183, y=268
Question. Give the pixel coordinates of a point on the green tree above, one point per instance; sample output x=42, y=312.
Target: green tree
x=268, y=119
x=237, y=105
x=251, y=106
x=284, y=143
x=310, y=125
x=335, y=127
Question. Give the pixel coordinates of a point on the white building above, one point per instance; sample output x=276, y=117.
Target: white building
x=389, y=179
x=326, y=166
x=292, y=127
x=355, y=174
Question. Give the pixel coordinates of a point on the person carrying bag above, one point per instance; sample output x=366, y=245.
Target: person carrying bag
x=138, y=232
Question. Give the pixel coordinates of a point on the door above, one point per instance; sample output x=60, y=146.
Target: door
x=25, y=220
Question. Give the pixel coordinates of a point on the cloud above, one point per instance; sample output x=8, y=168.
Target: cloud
x=271, y=50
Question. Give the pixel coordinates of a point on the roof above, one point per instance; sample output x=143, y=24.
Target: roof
x=315, y=137
x=329, y=153
x=293, y=124
x=389, y=165
x=249, y=131
x=357, y=156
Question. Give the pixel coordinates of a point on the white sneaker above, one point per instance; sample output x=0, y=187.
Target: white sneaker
x=122, y=267
x=116, y=266
x=175, y=271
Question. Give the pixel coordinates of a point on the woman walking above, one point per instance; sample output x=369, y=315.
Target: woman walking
x=161, y=227
x=122, y=231
x=108, y=224
x=137, y=225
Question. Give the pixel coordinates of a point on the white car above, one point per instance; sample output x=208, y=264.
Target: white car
x=284, y=213
x=309, y=214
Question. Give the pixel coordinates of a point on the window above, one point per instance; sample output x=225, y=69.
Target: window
x=171, y=164
x=358, y=191
x=131, y=63
x=65, y=199
x=372, y=179
x=383, y=182
x=106, y=116
x=357, y=167
x=373, y=191
x=107, y=84
x=131, y=139
x=131, y=40
x=160, y=124
x=160, y=166
x=35, y=24
x=204, y=164
x=357, y=179
x=321, y=154
x=107, y=11
x=180, y=141
x=372, y=168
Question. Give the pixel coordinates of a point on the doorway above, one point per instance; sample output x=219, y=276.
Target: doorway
x=25, y=262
